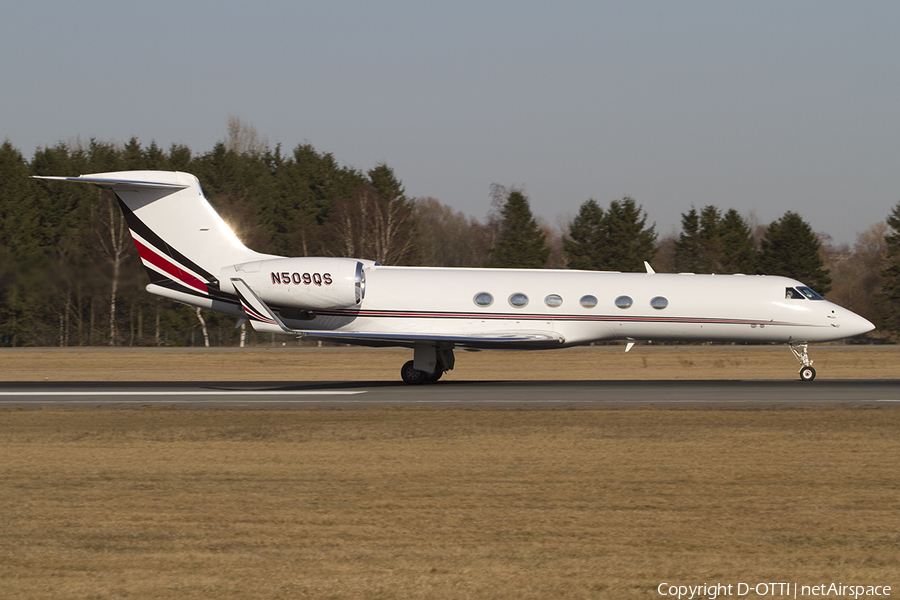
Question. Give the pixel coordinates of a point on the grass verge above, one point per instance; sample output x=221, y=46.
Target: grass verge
x=364, y=364
x=165, y=504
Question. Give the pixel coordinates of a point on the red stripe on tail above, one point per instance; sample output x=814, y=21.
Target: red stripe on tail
x=173, y=270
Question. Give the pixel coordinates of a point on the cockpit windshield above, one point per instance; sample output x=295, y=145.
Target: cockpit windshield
x=809, y=293
x=801, y=292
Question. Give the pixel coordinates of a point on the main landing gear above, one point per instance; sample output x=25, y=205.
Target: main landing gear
x=429, y=363
x=807, y=373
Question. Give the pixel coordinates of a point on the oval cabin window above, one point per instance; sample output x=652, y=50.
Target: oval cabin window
x=588, y=301
x=484, y=299
x=518, y=300
x=659, y=303
x=553, y=300
x=624, y=302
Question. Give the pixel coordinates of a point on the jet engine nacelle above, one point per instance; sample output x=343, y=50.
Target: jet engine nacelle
x=306, y=283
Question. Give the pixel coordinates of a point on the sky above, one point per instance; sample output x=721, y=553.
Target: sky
x=763, y=106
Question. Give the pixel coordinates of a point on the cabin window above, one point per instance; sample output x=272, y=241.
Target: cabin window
x=792, y=294
x=553, y=300
x=588, y=301
x=624, y=302
x=484, y=299
x=659, y=303
x=809, y=293
x=518, y=300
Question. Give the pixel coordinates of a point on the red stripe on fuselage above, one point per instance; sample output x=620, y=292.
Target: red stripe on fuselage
x=174, y=271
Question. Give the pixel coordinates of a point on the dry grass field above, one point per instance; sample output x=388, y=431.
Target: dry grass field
x=384, y=504
x=417, y=503
x=364, y=364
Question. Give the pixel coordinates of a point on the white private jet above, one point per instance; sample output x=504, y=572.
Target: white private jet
x=192, y=256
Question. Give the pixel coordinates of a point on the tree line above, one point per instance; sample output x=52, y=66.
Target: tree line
x=70, y=276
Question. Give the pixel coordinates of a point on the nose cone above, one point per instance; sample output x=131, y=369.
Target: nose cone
x=853, y=324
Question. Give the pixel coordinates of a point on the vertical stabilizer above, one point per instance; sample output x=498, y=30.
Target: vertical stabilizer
x=182, y=241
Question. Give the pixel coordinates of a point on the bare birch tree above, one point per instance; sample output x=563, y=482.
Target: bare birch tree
x=243, y=138
x=202, y=326
x=114, y=243
x=373, y=227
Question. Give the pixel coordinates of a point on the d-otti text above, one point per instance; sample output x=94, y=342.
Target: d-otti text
x=778, y=589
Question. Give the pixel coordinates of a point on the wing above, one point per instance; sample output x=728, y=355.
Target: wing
x=263, y=318
x=488, y=339
x=257, y=311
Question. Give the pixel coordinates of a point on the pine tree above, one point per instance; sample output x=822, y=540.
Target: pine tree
x=629, y=241
x=179, y=159
x=386, y=184
x=22, y=226
x=699, y=247
x=613, y=240
x=738, y=251
x=521, y=244
x=155, y=158
x=585, y=247
x=791, y=249
x=712, y=243
x=309, y=183
x=687, y=246
x=23, y=246
x=133, y=157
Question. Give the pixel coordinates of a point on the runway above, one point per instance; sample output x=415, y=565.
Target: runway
x=456, y=394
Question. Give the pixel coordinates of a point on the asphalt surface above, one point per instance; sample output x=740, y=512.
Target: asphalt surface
x=453, y=394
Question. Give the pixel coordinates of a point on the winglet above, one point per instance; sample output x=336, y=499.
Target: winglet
x=648, y=267
x=629, y=344
x=257, y=311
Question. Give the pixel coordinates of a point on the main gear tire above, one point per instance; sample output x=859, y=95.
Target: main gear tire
x=411, y=375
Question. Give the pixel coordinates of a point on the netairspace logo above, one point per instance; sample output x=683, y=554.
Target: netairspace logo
x=771, y=590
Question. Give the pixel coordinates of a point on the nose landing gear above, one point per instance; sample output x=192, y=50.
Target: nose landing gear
x=807, y=373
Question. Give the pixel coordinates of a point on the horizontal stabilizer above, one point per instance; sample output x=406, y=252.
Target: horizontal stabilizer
x=118, y=183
